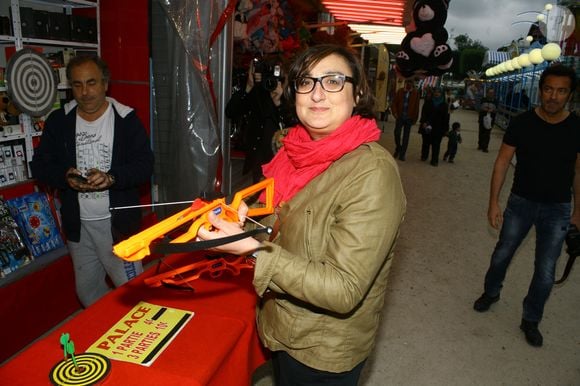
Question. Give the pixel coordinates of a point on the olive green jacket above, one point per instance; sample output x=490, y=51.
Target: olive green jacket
x=323, y=278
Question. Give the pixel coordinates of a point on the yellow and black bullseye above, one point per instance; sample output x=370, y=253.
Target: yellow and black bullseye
x=92, y=369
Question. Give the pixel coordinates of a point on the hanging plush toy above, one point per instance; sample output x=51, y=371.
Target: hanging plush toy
x=424, y=50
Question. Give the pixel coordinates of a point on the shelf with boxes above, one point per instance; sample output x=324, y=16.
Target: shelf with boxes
x=58, y=30
x=28, y=230
x=51, y=23
x=12, y=161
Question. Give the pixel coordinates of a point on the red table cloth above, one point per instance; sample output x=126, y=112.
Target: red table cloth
x=219, y=345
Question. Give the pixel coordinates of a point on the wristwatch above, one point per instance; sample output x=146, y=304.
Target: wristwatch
x=111, y=178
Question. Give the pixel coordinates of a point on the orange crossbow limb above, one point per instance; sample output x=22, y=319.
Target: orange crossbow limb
x=139, y=246
x=179, y=277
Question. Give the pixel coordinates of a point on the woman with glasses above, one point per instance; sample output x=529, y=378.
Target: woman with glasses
x=322, y=277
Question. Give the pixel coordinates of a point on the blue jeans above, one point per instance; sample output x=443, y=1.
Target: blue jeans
x=551, y=221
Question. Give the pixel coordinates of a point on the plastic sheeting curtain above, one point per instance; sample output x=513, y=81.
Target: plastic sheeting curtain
x=188, y=135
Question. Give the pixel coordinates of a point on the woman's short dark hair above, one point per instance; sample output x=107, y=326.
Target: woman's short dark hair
x=559, y=70
x=82, y=59
x=307, y=59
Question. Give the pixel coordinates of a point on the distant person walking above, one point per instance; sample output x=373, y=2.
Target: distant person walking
x=486, y=119
x=405, y=109
x=434, y=125
x=454, y=139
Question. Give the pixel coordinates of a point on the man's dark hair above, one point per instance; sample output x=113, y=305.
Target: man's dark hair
x=455, y=125
x=560, y=70
x=82, y=59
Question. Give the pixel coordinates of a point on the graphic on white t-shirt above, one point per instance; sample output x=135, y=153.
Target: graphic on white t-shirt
x=94, y=149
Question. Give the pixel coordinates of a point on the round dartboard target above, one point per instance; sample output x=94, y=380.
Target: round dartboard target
x=91, y=369
x=31, y=82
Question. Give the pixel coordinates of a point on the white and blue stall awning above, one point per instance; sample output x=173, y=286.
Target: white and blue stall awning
x=491, y=58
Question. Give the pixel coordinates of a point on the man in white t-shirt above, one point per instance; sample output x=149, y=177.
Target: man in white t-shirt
x=97, y=153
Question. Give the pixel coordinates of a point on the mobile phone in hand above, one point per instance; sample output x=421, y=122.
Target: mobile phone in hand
x=78, y=178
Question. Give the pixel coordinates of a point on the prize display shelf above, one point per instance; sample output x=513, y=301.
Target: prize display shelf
x=41, y=294
x=40, y=24
x=33, y=24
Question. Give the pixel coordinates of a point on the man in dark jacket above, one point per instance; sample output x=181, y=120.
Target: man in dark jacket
x=96, y=152
x=405, y=109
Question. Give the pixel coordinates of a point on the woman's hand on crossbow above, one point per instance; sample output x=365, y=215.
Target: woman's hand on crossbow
x=221, y=227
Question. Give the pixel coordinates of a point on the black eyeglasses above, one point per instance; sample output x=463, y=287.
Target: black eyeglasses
x=329, y=83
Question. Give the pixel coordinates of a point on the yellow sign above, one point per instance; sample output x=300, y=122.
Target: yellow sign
x=142, y=335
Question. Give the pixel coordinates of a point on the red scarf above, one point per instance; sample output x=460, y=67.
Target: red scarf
x=302, y=158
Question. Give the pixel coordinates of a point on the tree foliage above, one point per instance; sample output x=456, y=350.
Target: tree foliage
x=471, y=59
x=463, y=41
x=470, y=53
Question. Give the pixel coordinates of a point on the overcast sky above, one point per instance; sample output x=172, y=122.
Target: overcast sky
x=489, y=21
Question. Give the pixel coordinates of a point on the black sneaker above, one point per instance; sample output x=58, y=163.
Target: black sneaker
x=484, y=302
x=533, y=335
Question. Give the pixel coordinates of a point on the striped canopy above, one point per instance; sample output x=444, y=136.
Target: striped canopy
x=491, y=58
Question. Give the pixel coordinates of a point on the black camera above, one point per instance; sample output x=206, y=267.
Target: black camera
x=270, y=74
